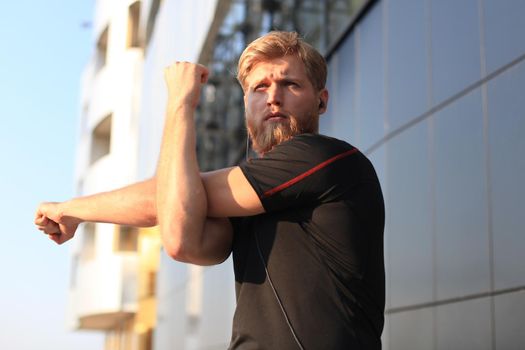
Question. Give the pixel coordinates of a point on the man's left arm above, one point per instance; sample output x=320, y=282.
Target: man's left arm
x=192, y=208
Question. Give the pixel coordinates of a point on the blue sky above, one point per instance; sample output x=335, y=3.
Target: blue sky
x=44, y=49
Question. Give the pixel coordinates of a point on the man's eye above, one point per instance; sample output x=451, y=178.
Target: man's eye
x=292, y=83
x=260, y=86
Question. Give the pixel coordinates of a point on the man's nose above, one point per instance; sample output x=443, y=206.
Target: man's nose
x=274, y=95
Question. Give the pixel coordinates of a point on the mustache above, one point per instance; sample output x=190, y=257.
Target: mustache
x=275, y=115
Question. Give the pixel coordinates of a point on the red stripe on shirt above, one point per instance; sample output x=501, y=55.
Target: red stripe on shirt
x=307, y=173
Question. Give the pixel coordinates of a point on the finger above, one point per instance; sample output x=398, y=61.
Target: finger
x=68, y=230
x=55, y=238
x=51, y=228
x=42, y=220
x=38, y=212
x=41, y=210
x=60, y=238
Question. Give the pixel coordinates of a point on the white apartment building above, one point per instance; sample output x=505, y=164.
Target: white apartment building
x=107, y=291
x=103, y=289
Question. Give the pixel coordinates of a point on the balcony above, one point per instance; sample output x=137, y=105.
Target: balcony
x=105, y=293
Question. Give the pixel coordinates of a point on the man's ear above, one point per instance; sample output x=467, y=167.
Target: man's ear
x=323, y=101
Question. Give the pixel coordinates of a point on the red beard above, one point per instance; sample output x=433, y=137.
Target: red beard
x=269, y=134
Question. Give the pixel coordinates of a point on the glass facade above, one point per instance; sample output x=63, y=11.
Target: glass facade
x=464, y=325
x=436, y=88
x=461, y=230
x=459, y=58
x=406, y=56
x=508, y=315
x=411, y=330
x=503, y=28
x=410, y=249
x=506, y=123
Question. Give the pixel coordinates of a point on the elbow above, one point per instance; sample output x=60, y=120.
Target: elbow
x=173, y=245
x=176, y=252
x=185, y=252
x=151, y=221
x=181, y=254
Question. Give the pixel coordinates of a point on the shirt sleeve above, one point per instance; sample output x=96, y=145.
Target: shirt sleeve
x=305, y=170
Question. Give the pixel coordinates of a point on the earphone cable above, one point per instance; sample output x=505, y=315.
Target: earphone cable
x=275, y=293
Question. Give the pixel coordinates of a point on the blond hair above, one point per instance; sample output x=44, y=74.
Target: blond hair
x=277, y=44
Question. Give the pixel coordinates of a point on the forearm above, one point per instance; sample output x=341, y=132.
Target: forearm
x=133, y=205
x=181, y=198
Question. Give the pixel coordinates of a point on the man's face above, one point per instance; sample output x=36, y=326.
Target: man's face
x=281, y=102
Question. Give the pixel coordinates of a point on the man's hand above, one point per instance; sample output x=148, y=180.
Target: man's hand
x=50, y=219
x=184, y=81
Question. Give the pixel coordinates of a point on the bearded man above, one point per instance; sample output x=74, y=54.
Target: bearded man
x=304, y=220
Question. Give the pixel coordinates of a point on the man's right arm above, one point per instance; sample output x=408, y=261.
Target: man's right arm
x=228, y=194
x=133, y=205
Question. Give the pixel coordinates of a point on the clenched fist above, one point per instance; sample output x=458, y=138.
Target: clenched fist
x=184, y=81
x=50, y=219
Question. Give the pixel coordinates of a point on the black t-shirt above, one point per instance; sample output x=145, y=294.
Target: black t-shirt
x=310, y=269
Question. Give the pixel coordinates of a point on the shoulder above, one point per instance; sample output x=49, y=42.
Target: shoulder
x=312, y=152
x=310, y=141
x=311, y=147
x=309, y=168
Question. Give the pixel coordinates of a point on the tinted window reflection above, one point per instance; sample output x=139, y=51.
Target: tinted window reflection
x=407, y=61
x=506, y=108
x=412, y=330
x=504, y=27
x=464, y=325
x=461, y=199
x=455, y=47
x=409, y=218
x=370, y=104
x=510, y=329
x=344, y=114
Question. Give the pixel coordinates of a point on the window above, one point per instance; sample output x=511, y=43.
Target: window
x=152, y=18
x=102, y=49
x=151, y=283
x=133, y=25
x=101, y=139
x=126, y=239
